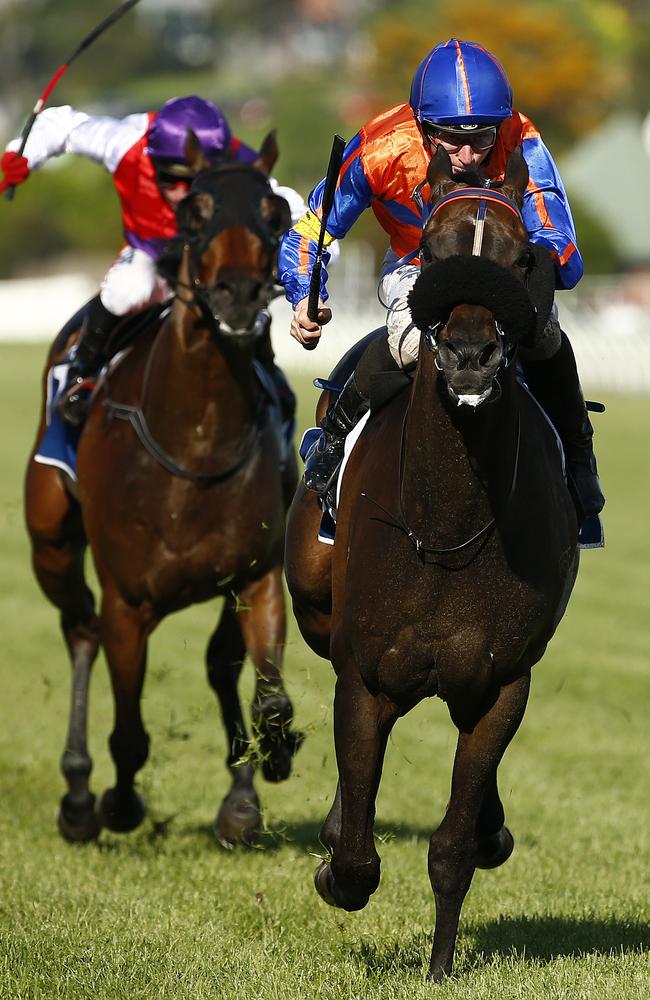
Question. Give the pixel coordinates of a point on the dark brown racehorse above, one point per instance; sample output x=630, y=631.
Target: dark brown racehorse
x=181, y=497
x=455, y=555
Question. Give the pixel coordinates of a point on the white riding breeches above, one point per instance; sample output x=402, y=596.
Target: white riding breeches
x=403, y=336
x=132, y=283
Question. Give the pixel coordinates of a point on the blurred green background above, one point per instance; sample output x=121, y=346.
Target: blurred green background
x=308, y=68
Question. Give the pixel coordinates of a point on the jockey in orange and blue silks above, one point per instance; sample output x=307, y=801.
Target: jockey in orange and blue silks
x=461, y=100
x=459, y=85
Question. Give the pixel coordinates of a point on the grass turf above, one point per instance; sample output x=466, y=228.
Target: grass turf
x=165, y=913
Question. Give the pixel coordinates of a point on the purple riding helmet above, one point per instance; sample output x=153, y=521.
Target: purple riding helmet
x=168, y=131
x=461, y=84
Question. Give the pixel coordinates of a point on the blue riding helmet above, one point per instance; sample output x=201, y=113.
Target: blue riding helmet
x=460, y=83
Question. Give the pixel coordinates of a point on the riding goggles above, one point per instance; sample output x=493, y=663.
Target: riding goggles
x=479, y=138
x=170, y=175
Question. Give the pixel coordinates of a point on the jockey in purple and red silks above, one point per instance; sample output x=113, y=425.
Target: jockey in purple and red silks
x=145, y=154
x=460, y=99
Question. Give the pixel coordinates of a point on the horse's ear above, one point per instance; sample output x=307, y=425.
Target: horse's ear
x=515, y=181
x=276, y=213
x=439, y=173
x=268, y=154
x=194, y=212
x=194, y=155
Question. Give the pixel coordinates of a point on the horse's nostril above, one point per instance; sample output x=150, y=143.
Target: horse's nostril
x=487, y=354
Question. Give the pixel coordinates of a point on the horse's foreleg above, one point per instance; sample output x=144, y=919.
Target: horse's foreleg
x=58, y=545
x=125, y=630
x=261, y=616
x=238, y=819
x=362, y=724
x=456, y=847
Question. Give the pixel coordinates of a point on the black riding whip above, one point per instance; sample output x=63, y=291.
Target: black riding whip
x=38, y=107
x=332, y=176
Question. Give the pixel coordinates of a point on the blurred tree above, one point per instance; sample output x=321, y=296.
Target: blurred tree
x=564, y=60
x=37, y=35
x=71, y=209
x=597, y=247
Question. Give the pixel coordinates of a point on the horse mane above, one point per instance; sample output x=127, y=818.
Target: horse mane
x=470, y=178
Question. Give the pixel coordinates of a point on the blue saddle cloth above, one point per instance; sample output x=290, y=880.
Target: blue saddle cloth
x=60, y=441
x=59, y=444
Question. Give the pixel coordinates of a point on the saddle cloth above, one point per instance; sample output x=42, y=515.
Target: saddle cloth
x=591, y=535
x=61, y=439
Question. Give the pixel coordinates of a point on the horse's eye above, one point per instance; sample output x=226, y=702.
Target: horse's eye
x=425, y=253
x=525, y=260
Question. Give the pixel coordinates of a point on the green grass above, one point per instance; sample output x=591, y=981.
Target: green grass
x=165, y=913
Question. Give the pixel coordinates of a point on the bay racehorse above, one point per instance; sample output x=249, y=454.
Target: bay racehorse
x=181, y=497
x=455, y=554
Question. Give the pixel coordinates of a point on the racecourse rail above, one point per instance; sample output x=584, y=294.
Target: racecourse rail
x=609, y=325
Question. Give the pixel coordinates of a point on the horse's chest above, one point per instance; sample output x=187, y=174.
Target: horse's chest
x=420, y=630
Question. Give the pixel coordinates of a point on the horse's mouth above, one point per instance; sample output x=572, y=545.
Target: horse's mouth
x=475, y=396
x=472, y=399
x=240, y=331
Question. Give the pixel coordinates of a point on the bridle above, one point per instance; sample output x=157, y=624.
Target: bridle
x=484, y=196
x=199, y=298
x=224, y=216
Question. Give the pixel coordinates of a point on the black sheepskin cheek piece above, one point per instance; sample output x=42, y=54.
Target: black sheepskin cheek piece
x=475, y=281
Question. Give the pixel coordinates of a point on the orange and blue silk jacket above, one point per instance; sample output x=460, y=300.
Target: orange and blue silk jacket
x=382, y=167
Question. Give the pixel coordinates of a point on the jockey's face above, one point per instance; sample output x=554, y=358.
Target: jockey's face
x=174, y=193
x=172, y=187
x=466, y=152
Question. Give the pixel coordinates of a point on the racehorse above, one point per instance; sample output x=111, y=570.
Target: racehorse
x=455, y=553
x=181, y=497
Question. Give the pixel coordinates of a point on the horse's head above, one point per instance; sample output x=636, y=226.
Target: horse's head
x=470, y=299
x=231, y=223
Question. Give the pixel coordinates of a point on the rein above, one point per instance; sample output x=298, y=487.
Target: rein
x=228, y=211
x=484, y=196
x=399, y=521
x=135, y=416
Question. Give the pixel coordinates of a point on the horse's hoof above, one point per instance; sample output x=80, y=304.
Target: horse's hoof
x=78, y=823
x=121, y=813
x=278, y=743
x=495, y=849
x=278, y=753
x=328, y=890
x=239, y=820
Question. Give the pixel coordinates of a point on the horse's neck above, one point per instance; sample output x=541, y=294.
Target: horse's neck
x=195, y=396
x=458, y=462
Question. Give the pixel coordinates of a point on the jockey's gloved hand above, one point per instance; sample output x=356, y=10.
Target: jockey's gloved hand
x=15, y=169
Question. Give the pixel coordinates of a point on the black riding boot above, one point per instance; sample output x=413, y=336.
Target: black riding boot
x=325, y=456
x=95, y=331
x=555, y=384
